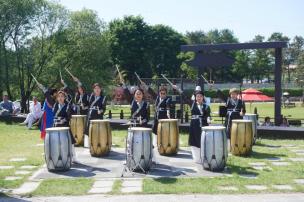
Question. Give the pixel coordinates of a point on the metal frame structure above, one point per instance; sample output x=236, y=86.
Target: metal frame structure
x=206, y=56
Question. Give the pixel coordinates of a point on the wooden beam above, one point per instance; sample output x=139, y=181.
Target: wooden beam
x=233, y=46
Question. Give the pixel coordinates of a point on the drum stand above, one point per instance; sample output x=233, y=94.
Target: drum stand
x=131, y=159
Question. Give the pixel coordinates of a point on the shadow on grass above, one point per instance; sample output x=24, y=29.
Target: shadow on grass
x=258, y=143
x=240, y=170
x=262, y=155
x=8, y=198
x=166, y=180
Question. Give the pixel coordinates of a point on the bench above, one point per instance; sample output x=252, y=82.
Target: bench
x=278, y=132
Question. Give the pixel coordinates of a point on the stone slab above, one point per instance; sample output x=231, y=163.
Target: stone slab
x=131, y=189
x=6, y=167
x=29, y=167
x=17, y=159
x=228, y=188
x=299, y=181
x=12, y=178
x=27, y=187
x=273, y=159
x=248, y=176
x=280, y=163
x=22, y=172
x=297, y=159
x=282, y=187
x=256, y=187
x=100, y=190
x=257, y=164
x=103, y=183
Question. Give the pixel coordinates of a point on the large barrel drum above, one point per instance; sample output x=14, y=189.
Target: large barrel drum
x=77, y=128
x=241, y=137
x=214, y=150
x=58, y=149
x=167, y=136
x=100, y=137
x=254, y=119
x=139, y=149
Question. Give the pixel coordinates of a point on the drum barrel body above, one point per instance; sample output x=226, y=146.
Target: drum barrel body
x=253, y=118
x=167, y=136
x=77, y=124
x=139, y=149
x=241, y=137
x=58, y=149
x=214, y=152
x=100, y=138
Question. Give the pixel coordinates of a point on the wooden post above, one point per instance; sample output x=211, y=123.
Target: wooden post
x=278, y=86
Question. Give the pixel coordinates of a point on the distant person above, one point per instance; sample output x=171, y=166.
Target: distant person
x=6, y=106
x=284, y=122
x=35, y=113
x=267, y=122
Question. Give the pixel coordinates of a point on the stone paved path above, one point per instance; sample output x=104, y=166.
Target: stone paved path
x=167, y=198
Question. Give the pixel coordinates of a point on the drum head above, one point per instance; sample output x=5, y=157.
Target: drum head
x=167, y=120
x=213, y=128
x=99, y=121
x=57, y=128
x=140, y=129
x=76, y=116
x=250, y=114
x=241, y=121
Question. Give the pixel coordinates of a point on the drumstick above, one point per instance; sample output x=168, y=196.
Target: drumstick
x=178, y=89
x=208, y=82
x=69, y=73
x=138, y=78
x=35, y=79
x=120, y=76
x=60, y=75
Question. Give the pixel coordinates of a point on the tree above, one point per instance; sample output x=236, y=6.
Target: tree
x=131, y=44
x=260, y=62
x=165, y=47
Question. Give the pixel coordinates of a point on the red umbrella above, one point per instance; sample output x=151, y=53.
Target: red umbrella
x=254, y=95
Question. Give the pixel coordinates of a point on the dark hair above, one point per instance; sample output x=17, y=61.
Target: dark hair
x=199, y=92
x=141, y=90
x=267, y=118
x=163, y=88
x=96, y=84
x=83, y=89
x=53, y=91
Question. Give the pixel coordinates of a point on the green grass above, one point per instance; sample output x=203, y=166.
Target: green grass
x=59, y=187
x=17, y=141
x=239, y=165
x=116, y=188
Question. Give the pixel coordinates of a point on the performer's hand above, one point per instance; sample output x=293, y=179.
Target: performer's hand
x=174, y=87
x=62, y=81
x=241, y=114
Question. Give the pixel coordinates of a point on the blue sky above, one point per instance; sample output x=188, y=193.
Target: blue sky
x=246, y=18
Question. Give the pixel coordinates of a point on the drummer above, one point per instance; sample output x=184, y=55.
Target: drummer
x=139, y=107
x=61, y=113
x=97, y=105
x=68, y=91
x=162, y=105
x=81, y=98
x=235, y=109
x=200, y=116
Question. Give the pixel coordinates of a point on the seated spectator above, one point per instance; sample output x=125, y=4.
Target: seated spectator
x=267, y=122
x=34, y=115
x=6, y=106
x=284, y=122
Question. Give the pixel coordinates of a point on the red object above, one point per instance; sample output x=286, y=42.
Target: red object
x=254, y=95
x=43, y=132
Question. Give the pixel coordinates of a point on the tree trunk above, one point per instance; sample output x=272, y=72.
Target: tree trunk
x=7, y=77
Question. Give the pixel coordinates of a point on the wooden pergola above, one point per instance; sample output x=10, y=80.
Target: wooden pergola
x=211, y=55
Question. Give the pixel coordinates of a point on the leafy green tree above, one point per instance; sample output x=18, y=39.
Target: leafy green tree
x=131, y=44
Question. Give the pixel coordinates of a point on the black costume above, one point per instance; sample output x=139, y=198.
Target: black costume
x=62, y=113
x=97, y=108
x=82, y=103
x=162, y=109
x=199, y=118
x=139, y=111
x=234, y=107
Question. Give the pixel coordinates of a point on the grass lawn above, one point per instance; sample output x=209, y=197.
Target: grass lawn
x=60, y=187
x=277, y=175
x=17, y=141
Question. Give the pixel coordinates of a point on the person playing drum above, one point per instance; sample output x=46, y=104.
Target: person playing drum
x=200, y=116
x=62, y=112
x=235, y=108
x=139, y=107
x=81, y=98
x=162, y=105
x=97, y=105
